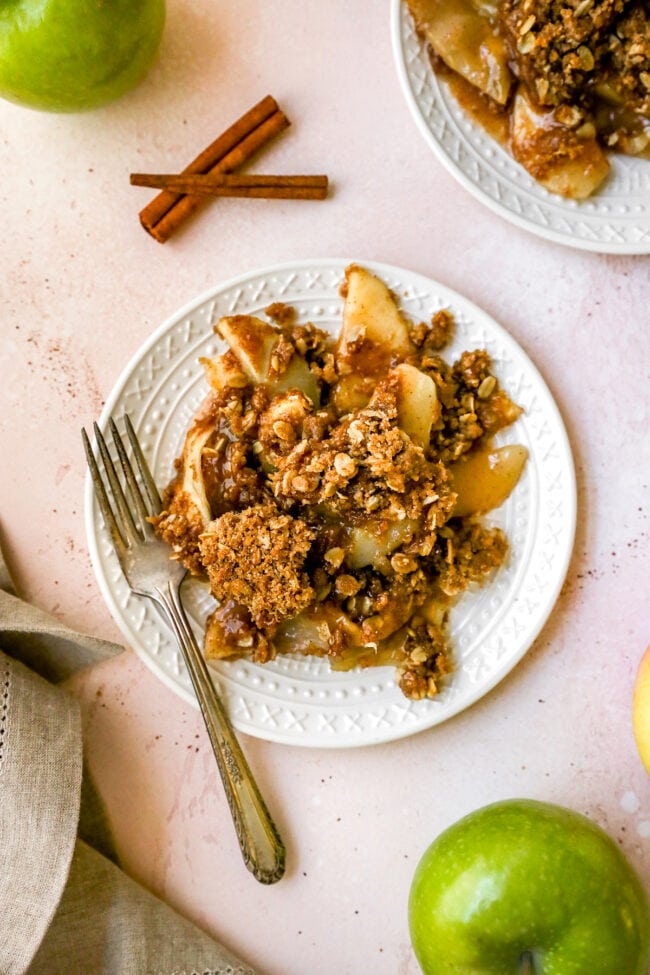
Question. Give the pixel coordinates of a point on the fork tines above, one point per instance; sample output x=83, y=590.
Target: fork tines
x=125, y=508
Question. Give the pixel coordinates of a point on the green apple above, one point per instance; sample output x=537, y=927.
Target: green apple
x=527, y=887
x=72, y=55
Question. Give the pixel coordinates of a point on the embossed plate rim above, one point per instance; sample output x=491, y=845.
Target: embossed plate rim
x=313, y=708
x=523, y=187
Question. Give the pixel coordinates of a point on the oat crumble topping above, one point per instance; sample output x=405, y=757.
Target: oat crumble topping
x=256, y=557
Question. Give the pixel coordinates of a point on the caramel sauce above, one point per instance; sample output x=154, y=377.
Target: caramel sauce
x=493, y=118
x=227, y=486
x=234, y=624
x=628, y=126
x=365, y=358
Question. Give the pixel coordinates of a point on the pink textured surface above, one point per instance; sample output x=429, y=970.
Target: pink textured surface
x=83, y=286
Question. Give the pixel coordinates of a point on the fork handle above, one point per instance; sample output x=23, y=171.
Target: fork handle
x=259, y=840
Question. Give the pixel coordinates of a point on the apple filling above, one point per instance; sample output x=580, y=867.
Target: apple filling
x=559, y=83
x=331, y=489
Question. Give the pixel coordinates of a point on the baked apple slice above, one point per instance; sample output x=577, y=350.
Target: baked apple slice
x=417, y=403
x=485, y=477
x=374, y=336
x=567, y=161
x=254, y=343
x=466, y=41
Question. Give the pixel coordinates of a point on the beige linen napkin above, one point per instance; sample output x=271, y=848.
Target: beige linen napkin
x=66, y=908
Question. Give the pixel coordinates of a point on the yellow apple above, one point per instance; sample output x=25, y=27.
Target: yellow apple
x=641, y=709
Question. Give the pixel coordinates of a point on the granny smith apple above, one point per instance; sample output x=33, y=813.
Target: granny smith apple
x=72, y=55
x=527, y=887
x=641, y=710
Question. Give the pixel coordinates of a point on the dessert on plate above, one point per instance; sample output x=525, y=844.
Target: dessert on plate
x=560, y=83
x=331, y=488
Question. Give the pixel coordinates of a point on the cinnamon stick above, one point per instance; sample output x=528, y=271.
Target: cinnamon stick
x=168, y=210
x=248, y=186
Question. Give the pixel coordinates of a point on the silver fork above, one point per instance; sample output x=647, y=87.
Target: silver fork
x=149, y=571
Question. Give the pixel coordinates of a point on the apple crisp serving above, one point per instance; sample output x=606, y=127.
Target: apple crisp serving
x=558, y=82
x=330, y=489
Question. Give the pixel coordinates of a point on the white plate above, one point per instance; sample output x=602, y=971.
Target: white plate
x=616, y=220
x=297, y=700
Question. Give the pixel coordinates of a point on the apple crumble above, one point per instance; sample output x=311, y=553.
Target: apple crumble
x=330, y=489
x=558, y=82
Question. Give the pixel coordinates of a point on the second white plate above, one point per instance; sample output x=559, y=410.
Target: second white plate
x=616, y=220
x=297, y=700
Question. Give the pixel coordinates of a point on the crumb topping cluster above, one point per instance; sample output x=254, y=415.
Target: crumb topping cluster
x=256, y=557
x=563, y=48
